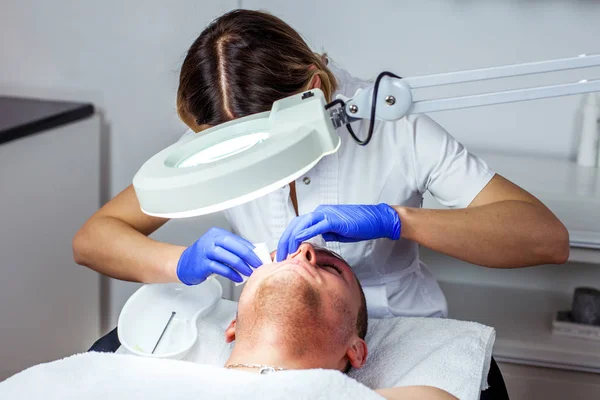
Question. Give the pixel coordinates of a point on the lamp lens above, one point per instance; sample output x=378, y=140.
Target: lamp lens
x=223, y=150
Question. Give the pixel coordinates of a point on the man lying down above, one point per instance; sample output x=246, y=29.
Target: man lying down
x=299, y=323
x=306, y=312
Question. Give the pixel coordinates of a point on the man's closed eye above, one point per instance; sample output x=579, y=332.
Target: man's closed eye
x=336, y=268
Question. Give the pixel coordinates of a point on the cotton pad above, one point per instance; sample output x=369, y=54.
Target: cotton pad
x=317, y=241
x=262, y=251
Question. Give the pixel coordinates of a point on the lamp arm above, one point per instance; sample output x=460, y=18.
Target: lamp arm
x=394, y=99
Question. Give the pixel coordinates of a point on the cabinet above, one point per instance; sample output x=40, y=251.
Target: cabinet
x=49, y=185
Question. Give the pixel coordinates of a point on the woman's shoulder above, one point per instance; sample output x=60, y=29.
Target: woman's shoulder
x=348, y=84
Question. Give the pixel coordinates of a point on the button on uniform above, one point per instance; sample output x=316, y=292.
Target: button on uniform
x=306, y=180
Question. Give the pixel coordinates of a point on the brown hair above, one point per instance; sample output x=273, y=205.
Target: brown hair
x=362, y=322
x=243, y=62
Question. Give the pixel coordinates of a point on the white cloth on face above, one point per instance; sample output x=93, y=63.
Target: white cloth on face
x=449, y=354
x=102, y=376
x=404, y=159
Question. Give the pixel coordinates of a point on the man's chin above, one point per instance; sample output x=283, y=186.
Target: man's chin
x=285, y=302
x=289, y=288
x=280, y=283
x=284, y=274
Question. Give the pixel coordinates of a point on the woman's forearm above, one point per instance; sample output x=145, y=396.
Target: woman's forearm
x=114, y=248
x=505, y=234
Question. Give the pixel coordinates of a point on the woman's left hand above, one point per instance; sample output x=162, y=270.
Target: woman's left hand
x=341, y=223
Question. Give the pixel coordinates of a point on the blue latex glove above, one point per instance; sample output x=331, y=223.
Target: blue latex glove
x=340, y=223
x=217, y=252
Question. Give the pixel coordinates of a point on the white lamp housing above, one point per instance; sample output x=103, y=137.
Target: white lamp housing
x=238, y=161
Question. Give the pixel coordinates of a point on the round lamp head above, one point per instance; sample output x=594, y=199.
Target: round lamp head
x=238, y=161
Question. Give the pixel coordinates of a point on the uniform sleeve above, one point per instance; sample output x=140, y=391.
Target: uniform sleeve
x=443, y=166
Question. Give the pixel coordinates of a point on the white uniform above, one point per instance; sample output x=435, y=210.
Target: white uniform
x=402, y=161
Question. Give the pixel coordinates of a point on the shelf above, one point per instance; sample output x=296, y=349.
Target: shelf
x=572, y=193
x=523, y=322
x=21, y=117
x=581, y=255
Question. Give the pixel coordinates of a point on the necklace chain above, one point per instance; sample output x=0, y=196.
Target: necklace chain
x=262, y=369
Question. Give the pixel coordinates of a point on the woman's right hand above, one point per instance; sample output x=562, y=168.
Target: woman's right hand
x=217, y=252
x=115, y=242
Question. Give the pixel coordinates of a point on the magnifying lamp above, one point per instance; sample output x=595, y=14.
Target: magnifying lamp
x=244, y=159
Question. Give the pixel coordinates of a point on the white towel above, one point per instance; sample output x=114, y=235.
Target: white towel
x=101, y=376
x=449, y=354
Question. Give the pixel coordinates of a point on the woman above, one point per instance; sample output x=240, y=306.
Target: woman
x=365, y=201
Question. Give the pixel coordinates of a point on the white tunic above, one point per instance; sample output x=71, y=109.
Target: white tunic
x=403, y=160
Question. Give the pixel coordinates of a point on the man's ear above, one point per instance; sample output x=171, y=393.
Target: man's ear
x=357, y=353
x=230, y=332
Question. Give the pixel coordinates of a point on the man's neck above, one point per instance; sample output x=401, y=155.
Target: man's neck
x=264, y=355
x=272, y=354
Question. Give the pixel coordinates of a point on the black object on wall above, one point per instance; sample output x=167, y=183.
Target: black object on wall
x=21, y=117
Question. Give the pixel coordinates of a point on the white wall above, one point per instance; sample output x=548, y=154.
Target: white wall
x=124, y=56
x=414, y=38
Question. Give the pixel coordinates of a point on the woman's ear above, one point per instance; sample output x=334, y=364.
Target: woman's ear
x=187, y=118
x=315, y=82
x=230, y=332
x=357, y=353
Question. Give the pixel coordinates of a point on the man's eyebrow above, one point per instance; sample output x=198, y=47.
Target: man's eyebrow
x=330, y=253
x=326, y=251
x=333, y=254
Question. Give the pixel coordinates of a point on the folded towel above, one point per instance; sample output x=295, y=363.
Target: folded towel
x=102, y=376
x=449, y=354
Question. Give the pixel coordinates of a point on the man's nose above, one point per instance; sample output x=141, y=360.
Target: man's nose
x=307, y=252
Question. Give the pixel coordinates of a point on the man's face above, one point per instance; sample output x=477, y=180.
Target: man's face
x=313, y=293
